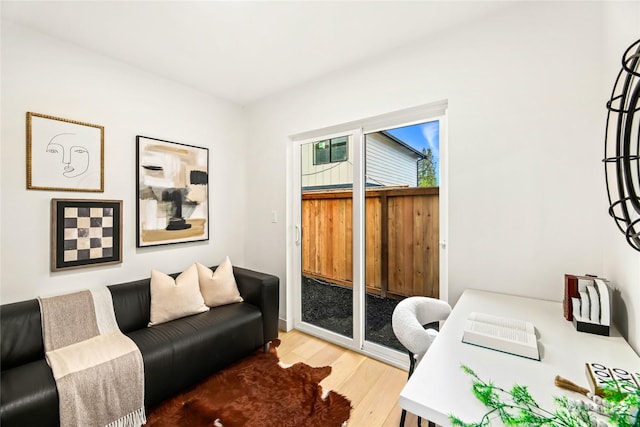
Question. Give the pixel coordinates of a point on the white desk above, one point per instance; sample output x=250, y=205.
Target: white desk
x=439, y=387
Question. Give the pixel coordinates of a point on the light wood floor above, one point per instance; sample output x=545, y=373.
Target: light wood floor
x=372, y=386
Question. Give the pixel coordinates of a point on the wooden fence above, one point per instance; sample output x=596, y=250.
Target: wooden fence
x=401, y=239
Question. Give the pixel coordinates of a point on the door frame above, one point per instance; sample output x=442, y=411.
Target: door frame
x=415, y=115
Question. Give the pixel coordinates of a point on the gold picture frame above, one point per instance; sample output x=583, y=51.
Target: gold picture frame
x=64, y=155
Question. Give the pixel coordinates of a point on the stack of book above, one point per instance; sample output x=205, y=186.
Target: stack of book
x=587, y=302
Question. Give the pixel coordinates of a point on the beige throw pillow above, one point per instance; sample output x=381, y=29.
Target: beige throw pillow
x=172, y=299
x=218, y=287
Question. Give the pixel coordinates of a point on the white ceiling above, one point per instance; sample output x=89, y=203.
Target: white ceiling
x=243, y=51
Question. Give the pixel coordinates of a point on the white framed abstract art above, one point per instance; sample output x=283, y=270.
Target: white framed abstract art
x=64, y=154
x=173, y=192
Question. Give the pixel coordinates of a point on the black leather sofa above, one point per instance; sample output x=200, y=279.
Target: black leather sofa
x=176, y=354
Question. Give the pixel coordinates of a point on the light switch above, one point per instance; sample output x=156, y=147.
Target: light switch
x=274, y=216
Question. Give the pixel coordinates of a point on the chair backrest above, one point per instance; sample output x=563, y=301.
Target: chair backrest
x=408, y=319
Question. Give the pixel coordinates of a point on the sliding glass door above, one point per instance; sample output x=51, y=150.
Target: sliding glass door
x=368, y=229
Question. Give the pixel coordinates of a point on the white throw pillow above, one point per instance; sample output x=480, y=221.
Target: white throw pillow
x=172, y=299
x=218, y=287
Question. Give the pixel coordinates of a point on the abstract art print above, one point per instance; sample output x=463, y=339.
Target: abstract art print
x=85, y=233
x=64, y=154
x=173, y=192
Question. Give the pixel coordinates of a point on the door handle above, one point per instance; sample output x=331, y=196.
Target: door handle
x=298, y=234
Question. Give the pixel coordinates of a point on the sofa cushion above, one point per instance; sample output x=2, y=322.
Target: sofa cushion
x=172, y=299
x=132, y=304
x=29, y=396
x=184, y=351
x=218, y=287
x=21, y=332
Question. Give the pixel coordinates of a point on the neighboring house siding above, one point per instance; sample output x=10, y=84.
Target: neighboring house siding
x=387, y=163
x=340, y=173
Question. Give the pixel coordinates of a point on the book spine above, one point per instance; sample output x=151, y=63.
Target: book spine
x=570, y=291
x=585, y=307
x=605, y=302
x=594, y=304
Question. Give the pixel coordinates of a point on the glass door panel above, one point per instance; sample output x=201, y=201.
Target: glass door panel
x=401, y=223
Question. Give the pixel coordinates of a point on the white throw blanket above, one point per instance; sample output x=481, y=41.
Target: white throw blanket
x=98, y=370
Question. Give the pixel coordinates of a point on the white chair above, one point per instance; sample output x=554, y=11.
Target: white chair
x=413, y=322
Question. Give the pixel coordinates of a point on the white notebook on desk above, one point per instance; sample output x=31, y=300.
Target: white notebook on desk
x=502, y=334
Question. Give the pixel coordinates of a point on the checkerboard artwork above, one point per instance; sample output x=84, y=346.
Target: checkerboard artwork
x=88, y=233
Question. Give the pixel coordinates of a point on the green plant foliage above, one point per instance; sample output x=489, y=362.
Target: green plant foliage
x=517, y=407
x=427, y=176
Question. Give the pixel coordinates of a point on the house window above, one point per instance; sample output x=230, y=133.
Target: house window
x=330, y=151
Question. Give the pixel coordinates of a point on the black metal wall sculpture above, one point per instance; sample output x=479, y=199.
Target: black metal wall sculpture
x=622, y=147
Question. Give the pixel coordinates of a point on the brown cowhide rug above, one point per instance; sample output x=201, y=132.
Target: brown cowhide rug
x=256, y=391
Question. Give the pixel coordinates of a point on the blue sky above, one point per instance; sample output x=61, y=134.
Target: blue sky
x=423, y=135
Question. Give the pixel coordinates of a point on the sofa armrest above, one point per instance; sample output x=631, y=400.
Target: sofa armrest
x=263, y=291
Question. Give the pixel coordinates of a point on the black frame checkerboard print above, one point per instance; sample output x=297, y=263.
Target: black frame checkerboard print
x=85, y=233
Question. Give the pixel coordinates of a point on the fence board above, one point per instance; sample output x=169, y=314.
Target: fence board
x=373, y=244
x=401, y=239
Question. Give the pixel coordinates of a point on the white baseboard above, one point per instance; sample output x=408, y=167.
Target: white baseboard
x=285, y=326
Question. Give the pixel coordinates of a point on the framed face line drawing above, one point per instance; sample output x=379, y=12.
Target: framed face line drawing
x=64, y=155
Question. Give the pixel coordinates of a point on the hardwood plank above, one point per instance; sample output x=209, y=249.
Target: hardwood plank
x=372, y=386
x=342, y=370
x=373, y=408
x=290, y=343
x=327, y=356
x=393, y=420
x=362, y=381
x=309, y=348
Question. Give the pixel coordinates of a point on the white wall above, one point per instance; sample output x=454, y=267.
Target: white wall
x=43, y=75
x=621, y=262
x=526, y=118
